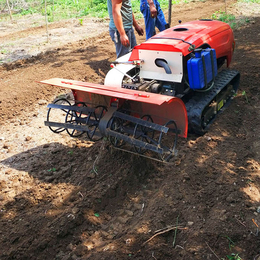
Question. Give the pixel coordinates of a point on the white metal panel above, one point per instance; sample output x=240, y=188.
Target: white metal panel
x=149, y=70
x=116, y=75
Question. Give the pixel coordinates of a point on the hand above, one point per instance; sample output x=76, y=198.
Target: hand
x=153, y=10
x=139, y=30
x=124, y=40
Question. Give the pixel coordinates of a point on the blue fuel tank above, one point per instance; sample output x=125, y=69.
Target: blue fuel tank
x=202, y=68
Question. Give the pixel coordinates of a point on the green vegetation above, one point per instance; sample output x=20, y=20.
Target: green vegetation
x=231, y=245
x=230, y=19
x=244, y=94
x=52, y=170
x=250, y=1
x=4, y=51
x=65, y=9
x=58, y=9
x=224, y=17
x=234, y=257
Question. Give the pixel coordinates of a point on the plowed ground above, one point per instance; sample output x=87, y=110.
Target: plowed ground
x=65, y=198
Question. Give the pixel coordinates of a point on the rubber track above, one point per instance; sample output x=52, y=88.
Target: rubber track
x=200, y=100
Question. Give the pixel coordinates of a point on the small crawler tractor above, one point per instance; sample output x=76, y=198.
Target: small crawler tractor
x=168, y=85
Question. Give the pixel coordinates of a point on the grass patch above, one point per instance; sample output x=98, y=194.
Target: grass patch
x=230, y=19
x=250, y=1
x=65, y=9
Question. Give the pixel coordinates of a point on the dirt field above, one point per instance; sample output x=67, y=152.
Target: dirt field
x=54, y=206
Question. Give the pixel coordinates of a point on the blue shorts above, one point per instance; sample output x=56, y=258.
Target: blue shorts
x=151, y=23
x=120, y=49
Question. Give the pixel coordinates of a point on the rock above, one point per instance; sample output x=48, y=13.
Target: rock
x=28, y=138
x=5, y=145
x=122, y=220
x=75, y=210
x=42, y=102
x=208, y=138
x=129, y=212
x=91, y=175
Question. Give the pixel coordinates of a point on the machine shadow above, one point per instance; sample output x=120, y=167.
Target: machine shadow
x=57, y=163
x=62, y=206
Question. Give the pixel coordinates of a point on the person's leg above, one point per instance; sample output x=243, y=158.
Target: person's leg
x=160, y=22
x=120, y=49
x=131, y=36
x=148, y=20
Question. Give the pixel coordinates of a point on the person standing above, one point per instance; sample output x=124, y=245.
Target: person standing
x=153, y=17
x=121, y=26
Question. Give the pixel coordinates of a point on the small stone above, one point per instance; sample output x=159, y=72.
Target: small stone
x=91, y=175
x=128, y=241
x=5, y=146
x=42, y=102
x=129, y=212
x=28, y=138
x=190, y=223
x=138, y=206
x=208, y=138
x=75, y=210
x=122, y=220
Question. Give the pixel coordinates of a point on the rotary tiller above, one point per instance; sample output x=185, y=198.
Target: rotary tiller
x=167, y=85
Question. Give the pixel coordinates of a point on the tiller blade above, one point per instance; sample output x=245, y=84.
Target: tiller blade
x=135, y=121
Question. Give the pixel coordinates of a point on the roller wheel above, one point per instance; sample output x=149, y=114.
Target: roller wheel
x=95, y=118
x=116, y=125
x=58, y=115
x=143, y=133
x=168, y=141
x=75, y=118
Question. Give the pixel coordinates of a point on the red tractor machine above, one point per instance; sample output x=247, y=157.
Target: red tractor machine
x=168, y=85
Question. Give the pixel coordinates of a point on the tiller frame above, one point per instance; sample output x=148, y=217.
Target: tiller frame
x=152, y=129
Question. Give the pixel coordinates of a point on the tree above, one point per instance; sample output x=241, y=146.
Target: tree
x=9, y=10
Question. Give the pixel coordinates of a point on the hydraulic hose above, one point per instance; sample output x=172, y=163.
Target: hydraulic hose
x=163, y=63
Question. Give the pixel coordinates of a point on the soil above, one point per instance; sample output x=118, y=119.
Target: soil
x=65, y=198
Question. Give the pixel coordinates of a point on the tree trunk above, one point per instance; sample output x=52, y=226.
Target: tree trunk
x=46, y=21
x=9, y=10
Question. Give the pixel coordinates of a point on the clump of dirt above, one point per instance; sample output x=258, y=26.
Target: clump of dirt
x=69, y=198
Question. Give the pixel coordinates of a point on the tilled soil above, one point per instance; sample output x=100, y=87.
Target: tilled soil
x=66, y=198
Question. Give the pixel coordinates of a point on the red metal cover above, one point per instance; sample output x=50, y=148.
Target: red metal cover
x=109, y=91
x=218, y=35
x=165, y=108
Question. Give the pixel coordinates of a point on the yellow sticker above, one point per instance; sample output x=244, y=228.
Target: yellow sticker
x=220, y=104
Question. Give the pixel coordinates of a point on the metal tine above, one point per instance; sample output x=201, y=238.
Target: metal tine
x=67, y=125
x=73, y=108
x=135, y=142
x=141, y=122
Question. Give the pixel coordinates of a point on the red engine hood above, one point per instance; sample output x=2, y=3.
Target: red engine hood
x=195, y=32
